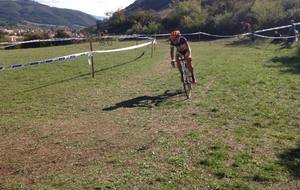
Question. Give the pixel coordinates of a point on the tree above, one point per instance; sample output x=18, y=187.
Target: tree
x=268, y=12
x=3, y=37
x=36, y=36
x=186, y=15
x=118, y=22
x=144, y=22
x=61, y=34
x=153, y=27
x=1, y=34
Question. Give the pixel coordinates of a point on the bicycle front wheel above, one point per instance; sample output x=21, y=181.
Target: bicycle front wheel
x=187, y=86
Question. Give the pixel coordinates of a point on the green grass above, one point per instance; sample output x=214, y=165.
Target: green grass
x=131, y=128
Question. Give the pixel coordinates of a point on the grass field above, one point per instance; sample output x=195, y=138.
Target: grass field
x=132, y=128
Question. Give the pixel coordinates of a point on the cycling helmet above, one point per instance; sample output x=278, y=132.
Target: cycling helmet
x=175, y=34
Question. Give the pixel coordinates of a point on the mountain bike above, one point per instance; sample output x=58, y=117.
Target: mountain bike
x=187, y=77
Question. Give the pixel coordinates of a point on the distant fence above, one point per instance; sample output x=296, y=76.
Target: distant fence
x=73, y=56
x=130, y=37
x=7, y=45
x=146, y=36
x=255, y=33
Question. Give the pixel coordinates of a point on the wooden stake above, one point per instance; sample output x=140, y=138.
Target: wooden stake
x=152, y=49
x=92, y=58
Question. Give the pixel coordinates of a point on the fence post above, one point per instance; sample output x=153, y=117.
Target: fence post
x=92, y=59
x=155, y=41
x=152, y=48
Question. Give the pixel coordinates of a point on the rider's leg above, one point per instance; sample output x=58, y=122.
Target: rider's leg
x=179, y=67
x=191, y=69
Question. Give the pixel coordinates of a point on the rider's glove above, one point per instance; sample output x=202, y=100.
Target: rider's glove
x=189, y=59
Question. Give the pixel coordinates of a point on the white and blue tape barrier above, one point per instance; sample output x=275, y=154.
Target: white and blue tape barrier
x=145, y=36
x=272, y=37
x=238, y=35
x=48, y=61
x=12, y=44
x=73, y=56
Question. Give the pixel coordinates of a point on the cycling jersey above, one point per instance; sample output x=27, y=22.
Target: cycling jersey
x=181, y=46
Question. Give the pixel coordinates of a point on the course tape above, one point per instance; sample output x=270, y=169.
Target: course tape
x=145, y=36
x=271, y=37
x=275, y=28
x=18, y=66
x=9, y=44
x=237, y=35
x=135, y=36
x=127, y=48
x=72, y=56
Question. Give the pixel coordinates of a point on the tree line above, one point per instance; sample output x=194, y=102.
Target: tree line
x=217, y=16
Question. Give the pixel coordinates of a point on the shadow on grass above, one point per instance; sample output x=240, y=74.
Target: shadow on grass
x=82, y=75
x=120, y=65
x=247, y=42
x=241, y=42
x=144, y=101
x=292, y=64
x=291, y=160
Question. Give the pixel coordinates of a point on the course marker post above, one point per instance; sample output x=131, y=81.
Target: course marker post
x=152, y=48
x=91, y=58
x=155, y=42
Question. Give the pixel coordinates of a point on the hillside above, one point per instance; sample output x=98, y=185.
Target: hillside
x=212, y=16
x=157, y=5
x=19, y=11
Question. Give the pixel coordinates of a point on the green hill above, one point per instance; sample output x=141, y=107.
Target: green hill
x=213, y=16
x=157, y=5
x=20, y=11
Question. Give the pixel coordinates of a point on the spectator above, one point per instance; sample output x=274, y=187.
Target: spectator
x=277, y=40
x=293, y=32
x=246, y=27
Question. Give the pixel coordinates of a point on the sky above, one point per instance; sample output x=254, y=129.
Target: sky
x=93, y=7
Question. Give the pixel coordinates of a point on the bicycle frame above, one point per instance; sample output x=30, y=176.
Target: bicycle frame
x=187, y=82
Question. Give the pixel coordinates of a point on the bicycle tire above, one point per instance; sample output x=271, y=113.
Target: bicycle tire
x=187, y=83
x=188, y=90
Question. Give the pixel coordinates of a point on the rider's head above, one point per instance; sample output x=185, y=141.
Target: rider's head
x=292, y=21
x=175, y=35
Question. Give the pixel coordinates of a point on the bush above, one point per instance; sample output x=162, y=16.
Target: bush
x=36, y=36
x=61, y=34
x=268, y=12
x=187, y=15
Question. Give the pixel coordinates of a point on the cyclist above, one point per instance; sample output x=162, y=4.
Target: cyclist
x=183, y=49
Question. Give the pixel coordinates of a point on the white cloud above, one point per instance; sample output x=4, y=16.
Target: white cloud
x=94, y=7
